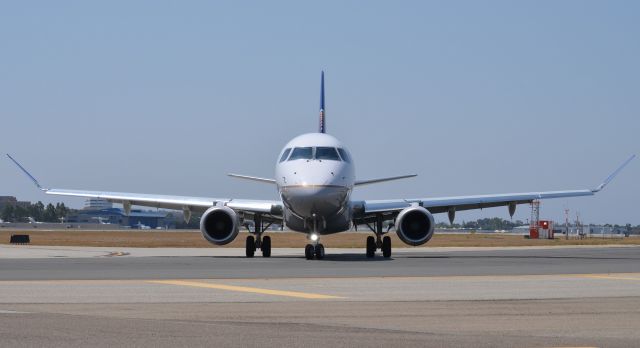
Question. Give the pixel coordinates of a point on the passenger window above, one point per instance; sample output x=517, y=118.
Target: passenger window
x=344, y=155
x=285, y=154
x=327, y=153
x=301, y=153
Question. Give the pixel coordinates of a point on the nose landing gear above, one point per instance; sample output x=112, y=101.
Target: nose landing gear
x=315, y=248
x=311, y=251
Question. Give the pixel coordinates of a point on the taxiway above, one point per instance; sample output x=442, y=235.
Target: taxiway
x=587, y=296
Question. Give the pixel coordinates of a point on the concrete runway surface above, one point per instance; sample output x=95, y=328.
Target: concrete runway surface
x=470, y=297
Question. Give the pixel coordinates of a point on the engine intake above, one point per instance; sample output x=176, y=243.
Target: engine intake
x=415, y=225
x=219, y=225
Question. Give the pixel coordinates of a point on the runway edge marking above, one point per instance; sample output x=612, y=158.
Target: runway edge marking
x=305, y=295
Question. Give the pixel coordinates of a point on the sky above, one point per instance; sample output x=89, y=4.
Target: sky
x=475, y=97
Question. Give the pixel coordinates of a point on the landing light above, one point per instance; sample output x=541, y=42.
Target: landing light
x=314, y=237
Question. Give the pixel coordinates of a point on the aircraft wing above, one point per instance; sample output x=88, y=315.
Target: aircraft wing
x=448, y=204
x=174, y=202
x=184, y=203
x=444, y=204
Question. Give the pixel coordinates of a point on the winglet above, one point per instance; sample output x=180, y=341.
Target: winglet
x=27, y=174
x=613, y=175
x=322, y=128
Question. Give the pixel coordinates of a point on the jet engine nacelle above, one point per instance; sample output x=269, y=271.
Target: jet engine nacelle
x=415, y=225
x=219, y=225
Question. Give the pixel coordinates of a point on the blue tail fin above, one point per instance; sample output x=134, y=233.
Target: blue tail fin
x=323, y=128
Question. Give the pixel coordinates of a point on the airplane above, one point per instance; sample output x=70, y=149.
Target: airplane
x=101, y=220
x=33, y=221
x=315, y=177
x=142, y=226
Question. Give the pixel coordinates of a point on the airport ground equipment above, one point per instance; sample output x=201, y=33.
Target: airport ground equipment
x=19, y=239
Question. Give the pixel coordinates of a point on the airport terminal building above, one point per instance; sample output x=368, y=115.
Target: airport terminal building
x=117, y=216
x=101, y=211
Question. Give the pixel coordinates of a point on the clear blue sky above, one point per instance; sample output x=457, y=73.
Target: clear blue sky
x=475, y=97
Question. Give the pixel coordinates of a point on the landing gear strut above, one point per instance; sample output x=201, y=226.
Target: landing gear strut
x=253, y=243
x=378, y=242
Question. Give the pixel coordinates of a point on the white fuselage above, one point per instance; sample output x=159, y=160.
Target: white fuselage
x=315, y=176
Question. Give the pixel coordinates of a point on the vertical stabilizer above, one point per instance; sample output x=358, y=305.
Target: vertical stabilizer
x=323, y=128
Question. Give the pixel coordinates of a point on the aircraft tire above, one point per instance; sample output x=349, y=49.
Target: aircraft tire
x=386, y=247
x=319, y=251
x=250, y=246
x=266, y=246
x=371, y=247
x=309, y=251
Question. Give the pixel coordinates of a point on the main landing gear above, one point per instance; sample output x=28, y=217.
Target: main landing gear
x=253, y=243
x=378, y=242
x=384, y=245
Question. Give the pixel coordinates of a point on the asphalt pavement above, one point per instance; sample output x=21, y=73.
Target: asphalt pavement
x=577, y=296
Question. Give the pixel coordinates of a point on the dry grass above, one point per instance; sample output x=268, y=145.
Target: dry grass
x=193, y=239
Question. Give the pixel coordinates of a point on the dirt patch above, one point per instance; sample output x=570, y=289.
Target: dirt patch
x=193, y=239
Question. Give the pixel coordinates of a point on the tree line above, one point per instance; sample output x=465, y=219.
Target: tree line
x=38, y=211
x=493, y=224
x=54, y=213
x=489, y=224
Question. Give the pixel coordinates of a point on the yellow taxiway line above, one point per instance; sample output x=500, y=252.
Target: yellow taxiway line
x=284, y=293
x=614, y=276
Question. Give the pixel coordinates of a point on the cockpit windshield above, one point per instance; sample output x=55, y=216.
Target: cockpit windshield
x=321, y=153
x=285, y=154
x=327, y=153
x=344, y=155
x=301, y=153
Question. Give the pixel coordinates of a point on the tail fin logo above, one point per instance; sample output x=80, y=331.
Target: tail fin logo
x=322, y=128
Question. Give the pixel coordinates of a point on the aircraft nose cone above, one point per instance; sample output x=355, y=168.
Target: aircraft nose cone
x=315, y=199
